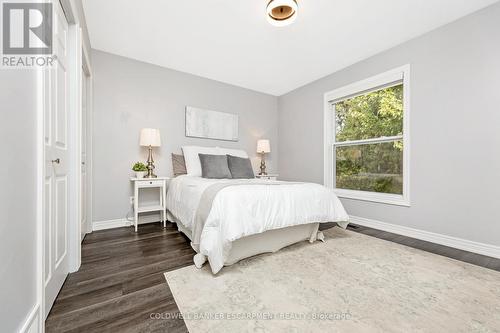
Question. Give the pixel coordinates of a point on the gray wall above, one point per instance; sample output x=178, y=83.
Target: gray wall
x=455, y=129
x=130, y=95
x=18, y=278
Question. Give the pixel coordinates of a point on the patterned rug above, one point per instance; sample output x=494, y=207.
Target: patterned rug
x=350, y=283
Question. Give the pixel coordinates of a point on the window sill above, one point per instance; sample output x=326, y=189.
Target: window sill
x=389, y=199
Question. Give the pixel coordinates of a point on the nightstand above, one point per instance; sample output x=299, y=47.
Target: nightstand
x=142, y=183
x=268, y=176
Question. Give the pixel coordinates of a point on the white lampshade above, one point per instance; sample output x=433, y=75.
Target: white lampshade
x=150, y=137
x=263, y=146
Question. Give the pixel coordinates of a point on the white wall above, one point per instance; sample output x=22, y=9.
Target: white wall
x=130, y=95
x=455, y=129
x=18, y=275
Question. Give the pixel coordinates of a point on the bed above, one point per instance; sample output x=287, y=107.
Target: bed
x=228, y=220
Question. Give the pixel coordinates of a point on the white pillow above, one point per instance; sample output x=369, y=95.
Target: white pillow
x=193, y=165
x=233, y=152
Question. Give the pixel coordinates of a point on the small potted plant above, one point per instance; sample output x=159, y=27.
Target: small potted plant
x=140, y=169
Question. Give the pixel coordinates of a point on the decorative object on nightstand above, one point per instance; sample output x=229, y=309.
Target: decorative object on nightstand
x=268, y=176
x=145, y=183
x=150, y=137
x=140, y=169
x=263, y=147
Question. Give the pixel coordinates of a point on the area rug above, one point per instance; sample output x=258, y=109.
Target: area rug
x=350, y=283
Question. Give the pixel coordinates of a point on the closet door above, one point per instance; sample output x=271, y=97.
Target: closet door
x=57, y=166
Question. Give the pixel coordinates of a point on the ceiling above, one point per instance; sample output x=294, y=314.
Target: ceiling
x=231, y=41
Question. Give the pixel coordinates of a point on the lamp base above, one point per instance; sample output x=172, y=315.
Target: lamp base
x=151, y=165
x=263, y=167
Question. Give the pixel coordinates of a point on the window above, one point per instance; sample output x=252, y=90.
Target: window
x=366, y=139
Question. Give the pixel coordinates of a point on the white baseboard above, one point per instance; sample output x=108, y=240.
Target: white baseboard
x=458, y=243
x=32, y=323
x=110, y=224
x=119, y=223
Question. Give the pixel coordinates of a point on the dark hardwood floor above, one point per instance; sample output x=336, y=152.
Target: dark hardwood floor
x=471, y=258
x=120, y=283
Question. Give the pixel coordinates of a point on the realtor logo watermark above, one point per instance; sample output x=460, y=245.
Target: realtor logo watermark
x=27, y=34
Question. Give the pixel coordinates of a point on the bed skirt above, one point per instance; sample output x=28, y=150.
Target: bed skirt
x=266, y=242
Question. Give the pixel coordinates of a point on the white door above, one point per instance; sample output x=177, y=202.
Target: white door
x=58, y=165
x=83, y=185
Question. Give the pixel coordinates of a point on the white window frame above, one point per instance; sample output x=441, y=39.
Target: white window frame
x=356, y=89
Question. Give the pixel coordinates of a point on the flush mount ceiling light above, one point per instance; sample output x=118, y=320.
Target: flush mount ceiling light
x=282, y=12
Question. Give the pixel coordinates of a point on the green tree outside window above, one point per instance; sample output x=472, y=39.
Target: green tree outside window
x=374, y=167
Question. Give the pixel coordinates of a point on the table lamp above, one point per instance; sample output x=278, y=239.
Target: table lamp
x=150, y=137
x=263, y=147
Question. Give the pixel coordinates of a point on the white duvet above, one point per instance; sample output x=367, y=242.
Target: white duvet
x=239, y=211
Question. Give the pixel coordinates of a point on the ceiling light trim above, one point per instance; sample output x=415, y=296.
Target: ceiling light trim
x=288, y=5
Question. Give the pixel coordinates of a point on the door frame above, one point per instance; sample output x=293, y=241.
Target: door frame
x=87, y=79
x=76, y=50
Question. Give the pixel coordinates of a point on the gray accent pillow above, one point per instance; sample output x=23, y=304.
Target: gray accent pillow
x=178, y=165
x=240, y=167
x=214, y=166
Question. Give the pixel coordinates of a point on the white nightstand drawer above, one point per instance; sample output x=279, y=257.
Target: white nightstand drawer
x=150, y=183
x=268, y=177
